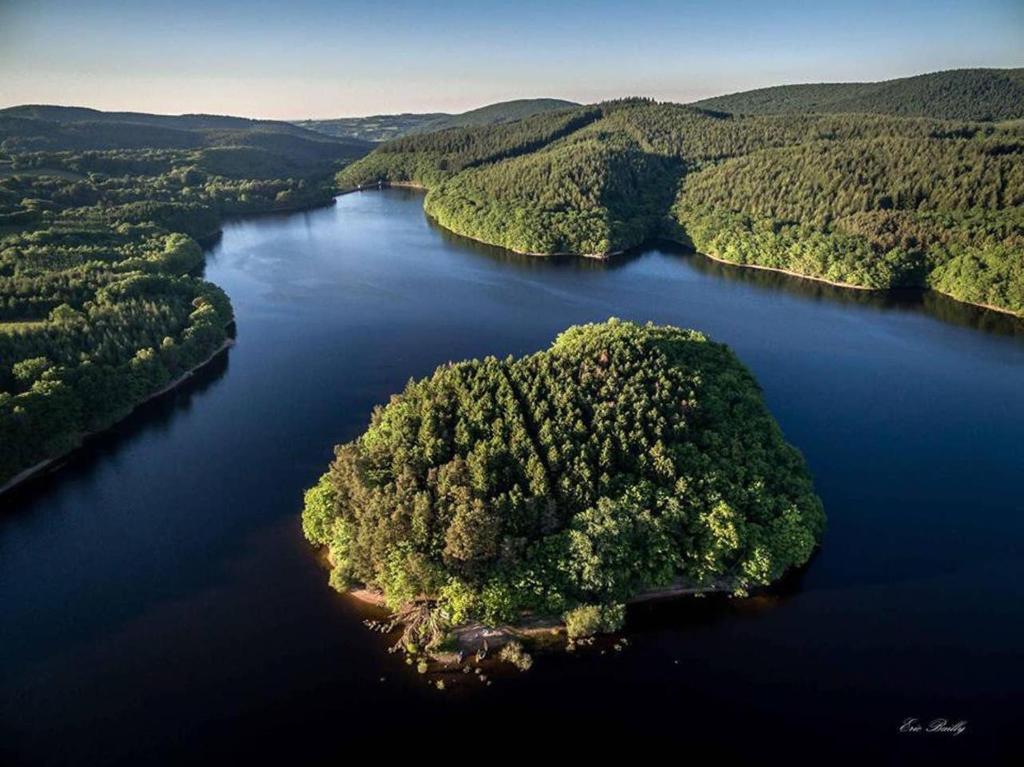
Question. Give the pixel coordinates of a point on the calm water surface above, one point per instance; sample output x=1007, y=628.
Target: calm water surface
x=159, y=604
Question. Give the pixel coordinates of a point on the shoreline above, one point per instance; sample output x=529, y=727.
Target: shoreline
x=787, y=272
x=205, y=242
x=379, y=186
x=475, y=635
x=558, y=254
x=40, y=468
x=653, y=241
x=422, y=188
x=846, y=285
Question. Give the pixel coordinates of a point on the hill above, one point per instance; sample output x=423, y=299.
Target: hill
x=386, y=127
x=274, y=148
x=871, y=201
x=374, y=128
x=957, y=94
x=493, y=114
x=585, y=474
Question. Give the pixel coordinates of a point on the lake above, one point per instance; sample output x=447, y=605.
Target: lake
x=159, y=603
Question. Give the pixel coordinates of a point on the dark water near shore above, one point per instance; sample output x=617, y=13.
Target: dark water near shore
x=158, y=604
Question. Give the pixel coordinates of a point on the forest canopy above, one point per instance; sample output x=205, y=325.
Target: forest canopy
x=624, y=458
x=958, y=94
x=386, y=127
x=101, y=215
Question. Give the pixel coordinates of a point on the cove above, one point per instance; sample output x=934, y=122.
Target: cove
x=159, y=602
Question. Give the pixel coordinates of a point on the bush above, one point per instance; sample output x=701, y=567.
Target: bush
x=589, y=620
x=514, y=653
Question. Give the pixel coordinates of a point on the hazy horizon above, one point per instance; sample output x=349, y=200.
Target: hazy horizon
x=321, y=60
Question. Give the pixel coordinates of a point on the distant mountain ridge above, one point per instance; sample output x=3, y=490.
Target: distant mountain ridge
x=238, y=145
x=957, y=94
x=70, y=114
x=386, y=127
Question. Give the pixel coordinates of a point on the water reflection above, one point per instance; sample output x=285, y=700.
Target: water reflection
x=158, y=593
x=927, y=302
x=150, y=419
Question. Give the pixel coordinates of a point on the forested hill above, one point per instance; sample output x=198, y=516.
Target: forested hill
x=958, y=94
x=502, y=112
x=273, y=149
x=66, y=114
x=386, y=127
x=375, y=128
x=871, y=201
x=101, y=303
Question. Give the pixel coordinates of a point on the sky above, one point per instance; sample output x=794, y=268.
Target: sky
x=323, y=58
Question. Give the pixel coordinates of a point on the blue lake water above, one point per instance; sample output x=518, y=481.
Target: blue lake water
x=160, y=605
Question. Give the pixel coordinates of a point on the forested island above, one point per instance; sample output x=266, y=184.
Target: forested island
x=889, y=191
x=101, y=220
x=625, y=458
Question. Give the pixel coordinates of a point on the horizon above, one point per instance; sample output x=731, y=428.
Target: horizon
x=320, y=60
x=319, y=118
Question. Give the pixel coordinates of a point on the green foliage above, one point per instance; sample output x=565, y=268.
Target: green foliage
x=590, y=194
x=623, y=458
x=99, y=216
x=318, y=514
x=514, y=653
x=873, y=201
x=959, y=94
x=386, y=127
x=429, y=158
x=494, y=114
x=589, y=620
x=278, y=148
x=944, y=210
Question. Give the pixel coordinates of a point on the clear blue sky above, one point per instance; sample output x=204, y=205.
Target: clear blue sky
x=318, y=58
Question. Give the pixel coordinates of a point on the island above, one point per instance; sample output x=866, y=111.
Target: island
x=624, y=460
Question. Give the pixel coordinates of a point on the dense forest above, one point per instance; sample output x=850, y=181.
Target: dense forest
x=101, y=303
x=622, y=459
x=387, y=127
x=100, y=213
x=874, y=201
x=959, y=94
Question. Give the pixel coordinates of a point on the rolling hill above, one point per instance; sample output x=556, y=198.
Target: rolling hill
x=957, y=94
x=259, y=148
x=387, y=127
x=862, y=200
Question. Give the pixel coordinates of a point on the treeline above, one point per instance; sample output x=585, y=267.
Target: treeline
x=101, y=303
x=959, y=94
x=943, y=211
x=50, y=128
x=624, y=458
x=866, y=200
x=432, y=157
x=386, y=127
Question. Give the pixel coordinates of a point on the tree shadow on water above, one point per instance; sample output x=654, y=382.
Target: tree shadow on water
x=151, y=418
